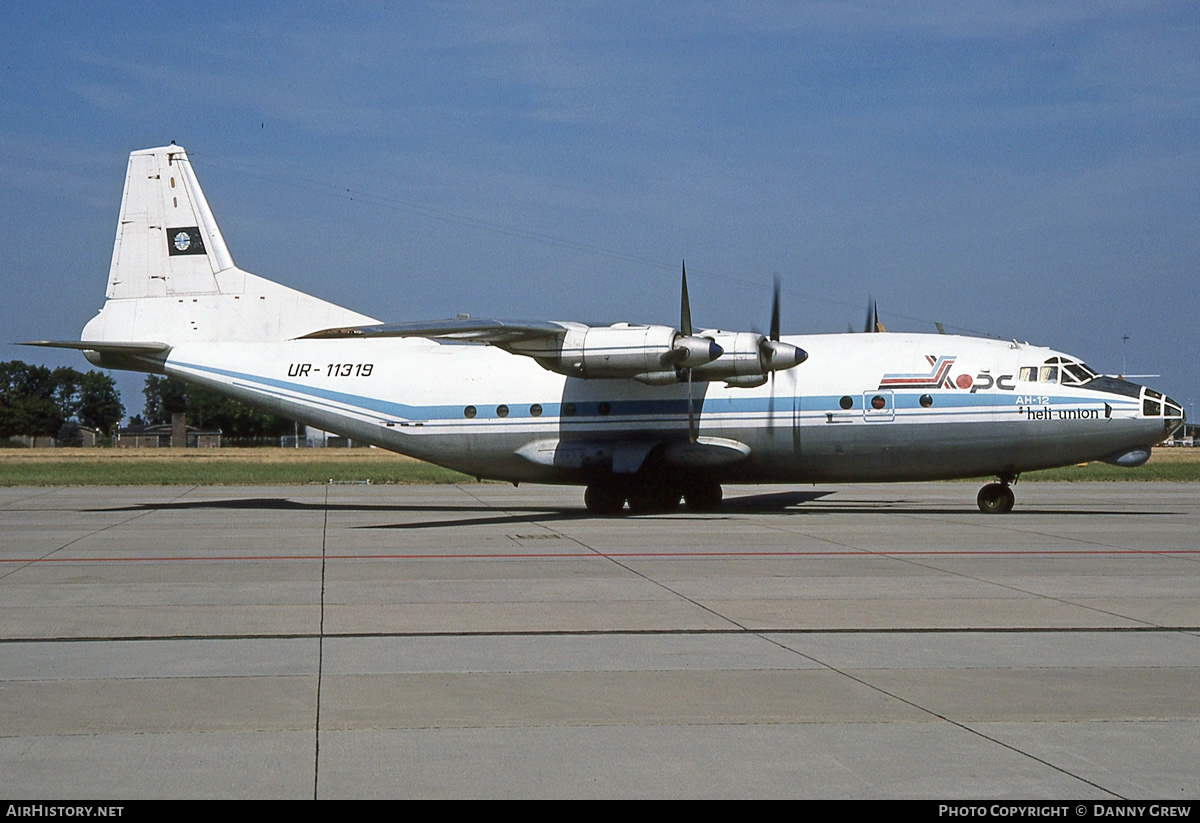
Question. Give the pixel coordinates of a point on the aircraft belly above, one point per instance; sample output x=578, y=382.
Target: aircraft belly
x=865, y=453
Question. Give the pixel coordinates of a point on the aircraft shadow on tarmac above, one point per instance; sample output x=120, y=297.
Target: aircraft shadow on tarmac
x=765, y=503
x=774, y=503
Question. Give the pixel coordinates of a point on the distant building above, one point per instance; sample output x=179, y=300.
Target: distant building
x=76, y=435
x=32, y=442
x=319, y=439
x=159, y=437
x=1185, y=435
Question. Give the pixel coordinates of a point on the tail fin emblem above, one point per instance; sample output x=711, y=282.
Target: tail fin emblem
x=185, y=241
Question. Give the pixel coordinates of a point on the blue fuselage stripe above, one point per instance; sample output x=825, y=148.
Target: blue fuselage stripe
x=674, y=407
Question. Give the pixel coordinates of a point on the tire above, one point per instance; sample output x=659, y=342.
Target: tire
x=604, y=498
x=653, y=498
x=703, y=497
x=996, y=498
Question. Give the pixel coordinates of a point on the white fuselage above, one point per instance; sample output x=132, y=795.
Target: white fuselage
x=864, y=407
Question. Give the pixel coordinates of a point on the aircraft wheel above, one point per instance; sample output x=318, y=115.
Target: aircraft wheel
x=653, y=498
x=996, y=498
x=604, y=498
x=703, y=497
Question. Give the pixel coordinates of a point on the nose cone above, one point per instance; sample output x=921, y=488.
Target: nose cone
x=696, y=351
x=1157, y=405
x=1173, y=416
x=783, y=355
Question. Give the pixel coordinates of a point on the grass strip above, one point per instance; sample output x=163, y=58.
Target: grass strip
x=281, y=467
x=195, y=473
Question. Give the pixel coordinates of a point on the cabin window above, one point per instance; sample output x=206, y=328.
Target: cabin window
x=469, y=412
x=502, y=411
x=568, y=409
x=877, y=402
x=535, y=410
x=603, y=408
x=926, y=401
x=846, y=402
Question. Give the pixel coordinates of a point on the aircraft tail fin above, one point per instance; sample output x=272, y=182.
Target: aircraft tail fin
x=173, y=279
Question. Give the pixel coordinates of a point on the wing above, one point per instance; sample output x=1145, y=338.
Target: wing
x=493, y=332
x=655, y=355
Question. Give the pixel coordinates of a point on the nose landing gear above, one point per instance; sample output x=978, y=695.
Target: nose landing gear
x=997, y=498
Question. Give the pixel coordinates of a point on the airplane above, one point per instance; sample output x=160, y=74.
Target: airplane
x=644, y=415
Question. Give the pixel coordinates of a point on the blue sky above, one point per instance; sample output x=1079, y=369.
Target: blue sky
x=1024, y=170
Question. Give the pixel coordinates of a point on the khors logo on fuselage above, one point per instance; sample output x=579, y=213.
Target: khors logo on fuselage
x=939, y=377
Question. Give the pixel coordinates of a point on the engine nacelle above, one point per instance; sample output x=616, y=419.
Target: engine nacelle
x=650, y=354
x=655, y=355
x=748, y=358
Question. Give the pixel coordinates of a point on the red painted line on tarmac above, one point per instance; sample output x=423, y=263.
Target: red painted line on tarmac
x=597, y=555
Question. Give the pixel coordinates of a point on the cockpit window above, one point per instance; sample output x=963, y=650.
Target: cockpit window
x=1073, y=373
x=1029, y=374
x=1077, y=372
x=1115, y=386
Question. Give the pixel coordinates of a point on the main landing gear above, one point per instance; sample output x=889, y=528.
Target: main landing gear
x=997, y=498
x=651, y=496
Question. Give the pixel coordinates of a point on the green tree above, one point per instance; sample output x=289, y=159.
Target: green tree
x=37, y=401
x=99, y=402
x=208, y=410
x=28, y=396
x=164, y=397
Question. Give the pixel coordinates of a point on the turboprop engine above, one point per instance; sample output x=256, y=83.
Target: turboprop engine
x=650, y=354
x=748, y=358
x=659, y=355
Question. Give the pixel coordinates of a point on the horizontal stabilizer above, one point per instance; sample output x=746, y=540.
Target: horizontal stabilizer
x=132, y=355
x=102, y=346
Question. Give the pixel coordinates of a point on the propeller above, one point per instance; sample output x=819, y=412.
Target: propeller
x=685, y=328
x=873, y=324
x=775, y=310
x=766, y=347
x=772, y=354
x=691, y=351
x=688, y=350
x=685, y=305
